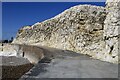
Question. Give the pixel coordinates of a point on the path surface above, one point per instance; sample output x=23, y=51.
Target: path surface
x=67, y=64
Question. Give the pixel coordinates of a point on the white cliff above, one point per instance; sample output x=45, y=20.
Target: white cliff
x=84, y=29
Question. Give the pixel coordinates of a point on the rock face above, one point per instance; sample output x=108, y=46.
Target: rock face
x=111, y=29
x=80, y=29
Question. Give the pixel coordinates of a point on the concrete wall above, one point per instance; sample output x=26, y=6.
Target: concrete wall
x=32, y=53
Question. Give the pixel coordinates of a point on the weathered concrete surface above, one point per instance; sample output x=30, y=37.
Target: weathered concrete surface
x=67, y=64
x=32, y=53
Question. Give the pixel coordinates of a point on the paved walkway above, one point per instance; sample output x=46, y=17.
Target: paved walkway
x=67, y=64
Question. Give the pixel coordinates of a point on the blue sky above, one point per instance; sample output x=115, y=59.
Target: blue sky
x=18, y=14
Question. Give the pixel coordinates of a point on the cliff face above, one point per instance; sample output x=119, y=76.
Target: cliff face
x=80, y=29
x=112, y=28
x=77, y=20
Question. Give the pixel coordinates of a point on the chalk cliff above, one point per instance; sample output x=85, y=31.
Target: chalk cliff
x=112, y=30
x=81, y=28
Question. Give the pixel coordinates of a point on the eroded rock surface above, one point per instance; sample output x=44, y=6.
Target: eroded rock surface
x=81, y=29
x=111, y=29
x=75, y=29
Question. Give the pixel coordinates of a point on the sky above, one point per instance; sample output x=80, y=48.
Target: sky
x=18, y=14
